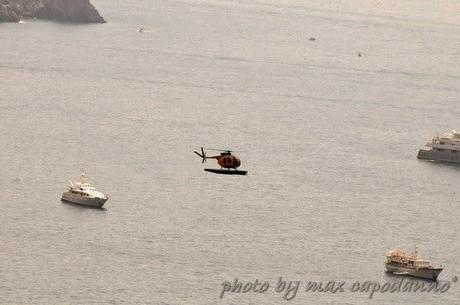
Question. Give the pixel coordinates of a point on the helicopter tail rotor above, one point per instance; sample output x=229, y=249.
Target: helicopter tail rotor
x=202, y=155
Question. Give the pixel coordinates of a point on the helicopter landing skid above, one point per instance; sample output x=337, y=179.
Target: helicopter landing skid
x=226, y=171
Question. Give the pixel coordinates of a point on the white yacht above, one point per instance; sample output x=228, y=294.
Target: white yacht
x=397, y=262
x=83, y=193
x=442, y=148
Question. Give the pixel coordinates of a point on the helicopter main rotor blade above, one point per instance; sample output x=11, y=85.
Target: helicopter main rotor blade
x=223, y=150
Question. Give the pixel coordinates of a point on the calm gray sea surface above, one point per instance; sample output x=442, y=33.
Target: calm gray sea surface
x=329, y=139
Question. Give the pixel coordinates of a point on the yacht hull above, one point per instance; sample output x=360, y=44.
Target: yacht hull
x=86, y=201
x=443, y=156
x=424, y=273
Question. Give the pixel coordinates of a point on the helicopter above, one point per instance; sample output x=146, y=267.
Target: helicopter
x=228, y=162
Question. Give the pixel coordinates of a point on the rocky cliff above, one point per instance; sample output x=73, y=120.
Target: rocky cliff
x=75, y=11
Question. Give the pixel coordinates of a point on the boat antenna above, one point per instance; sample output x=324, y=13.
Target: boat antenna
x=83, y=177
x=415, y=255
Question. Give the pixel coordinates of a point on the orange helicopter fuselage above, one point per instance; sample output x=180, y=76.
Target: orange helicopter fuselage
x=228, y=161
